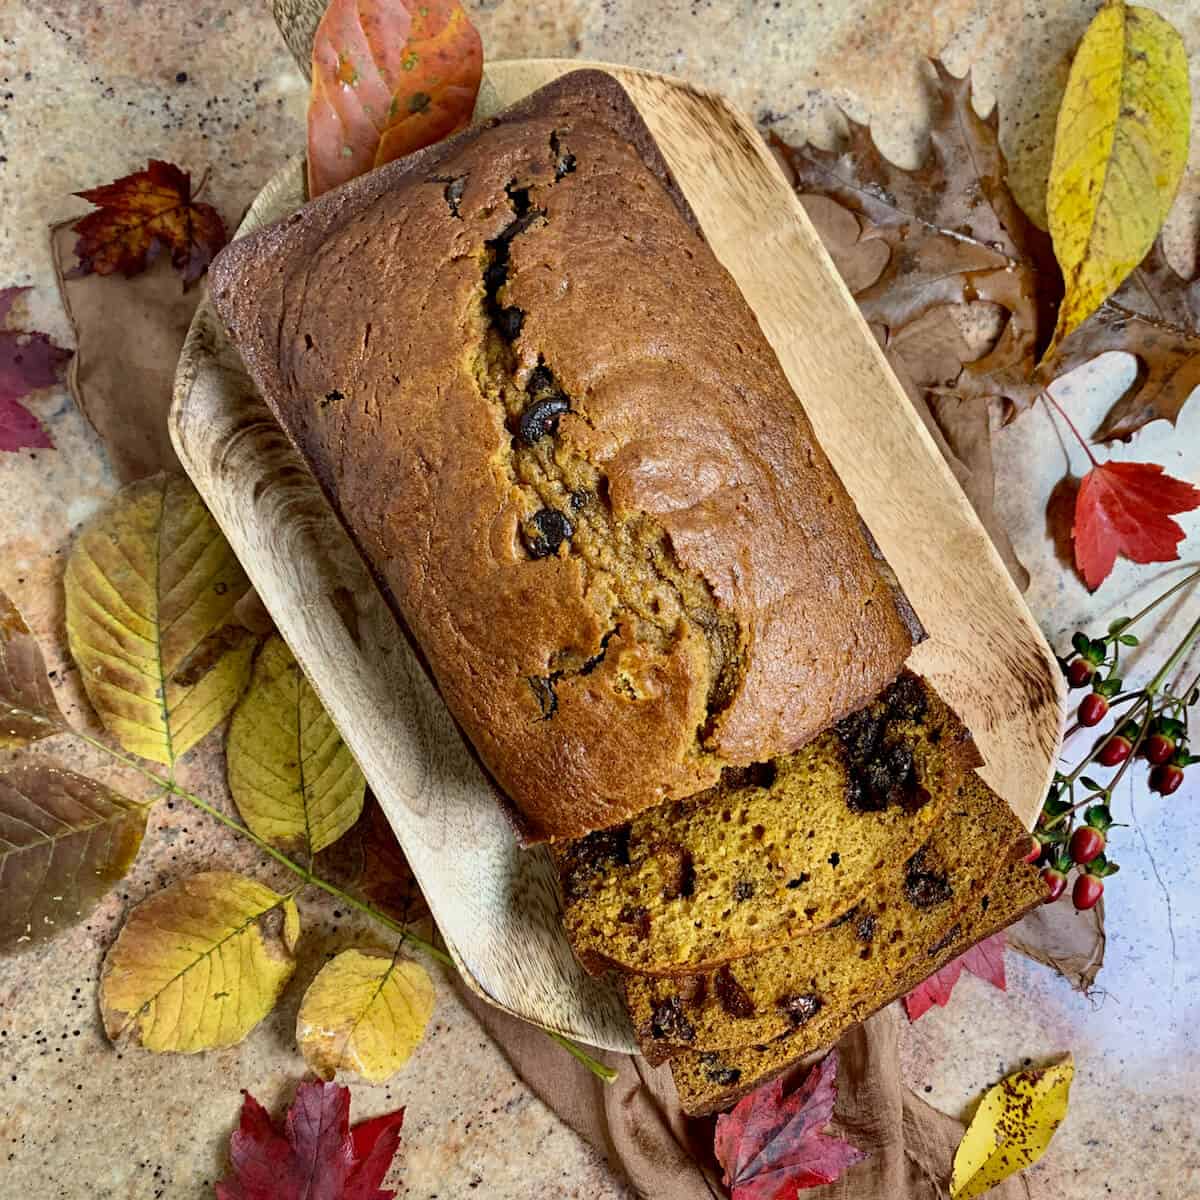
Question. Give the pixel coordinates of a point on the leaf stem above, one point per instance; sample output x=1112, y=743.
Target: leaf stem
x=1058, y=408
x=597, y=1068
x=296, y=868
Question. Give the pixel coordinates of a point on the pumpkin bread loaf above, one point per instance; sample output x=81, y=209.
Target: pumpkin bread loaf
x=708, y=1082
x=765, y=996
x=781, y=850
x=550, y=422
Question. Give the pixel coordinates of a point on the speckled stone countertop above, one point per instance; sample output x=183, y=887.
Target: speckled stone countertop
x=87, y=93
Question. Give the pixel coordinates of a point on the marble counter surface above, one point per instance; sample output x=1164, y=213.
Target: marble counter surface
x=87, y=93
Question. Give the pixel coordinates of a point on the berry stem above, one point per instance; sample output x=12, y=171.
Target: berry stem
x=1137, y=743
x=1153, y=604
x=1175, y=659
x=1058, y=408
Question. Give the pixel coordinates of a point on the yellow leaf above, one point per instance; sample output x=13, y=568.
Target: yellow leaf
x=1011, y=1128
x=199, y=964
x=293, y=779
x=1119, y=151
x=64, y=841
x=364, y=1014
x=151, y=588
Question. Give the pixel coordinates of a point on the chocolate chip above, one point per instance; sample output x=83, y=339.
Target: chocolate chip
x=951, y=936
x=800, y=1009
x=581, y=499
x=588, y=856
x=667, y=1021
x=743, y=890
x=925, y=888
x=799, y=881
x=835, y=859
x=861, y=734
x=716, y=1072
x=508, y=323
x=636, y=916
x=540, y=380
x=545, y=531
x=540, y=419
x=865, y=929
x=495, y=276
x=734, y=998
x=546, y=696
x=692, y=988
x=679, y=873
x=905, y=700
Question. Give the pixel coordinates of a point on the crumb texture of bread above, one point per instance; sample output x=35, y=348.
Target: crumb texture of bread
x=773, y=852
x=765, y=996
x=709, y=1081
x=551, y=424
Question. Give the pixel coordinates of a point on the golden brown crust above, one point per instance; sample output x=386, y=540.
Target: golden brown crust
x=701, y=593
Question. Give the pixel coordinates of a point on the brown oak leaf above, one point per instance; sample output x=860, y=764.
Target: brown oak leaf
x=1155, y=316
x=954, y=232
x=142, y=213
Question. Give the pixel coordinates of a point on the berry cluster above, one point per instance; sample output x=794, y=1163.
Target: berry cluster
x=1152, y=727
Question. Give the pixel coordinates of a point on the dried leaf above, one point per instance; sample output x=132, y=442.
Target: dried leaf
x=388, y=77
x=985, y=959
x=64, y=841
x=28, y=361
x=1011, y=1128
x=28, y=709
x=363, y=1015
x=1125, y=508
x=1070, y=942
x=770, y=1146
x=151, y=587
x=316, y=1156
x=387, y=879
x=140, y=214
x=954, y=231
x=1120, y=147
x=859, y=261
x=293, y=779
x=199, y=964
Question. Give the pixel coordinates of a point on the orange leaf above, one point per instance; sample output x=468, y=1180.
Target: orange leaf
x=388, y=77
x=1125, y=508
x=138, y=215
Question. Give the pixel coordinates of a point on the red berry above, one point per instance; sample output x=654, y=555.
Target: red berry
x=1115, y=751
x=1086, y=843
x=1087, y=891
x=1033, y=850
x=1056, y=883
x=1093, y=709
x=1079, y=672
x=1166, y=778
x=1158, y=748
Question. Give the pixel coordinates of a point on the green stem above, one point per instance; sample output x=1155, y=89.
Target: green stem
x=1176, y=658
x=597, y=1068
x=605, y=1074
x=1153, y=604
x=296, y=868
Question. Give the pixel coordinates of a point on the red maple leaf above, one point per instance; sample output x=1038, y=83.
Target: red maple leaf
x=1125, y=508
x=139, y=214
x=315, y=1155
x=772, y=1147
x=985, y=959
x=28, y=361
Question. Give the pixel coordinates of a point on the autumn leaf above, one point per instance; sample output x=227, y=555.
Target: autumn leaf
x=770, y=1146
x=1120, y=147
x=294, y=781
x=151, y=588
x=1125, y=508
x=388, y=77
x=28, y=361
x=363, y=1015
x=28, y=709
x=315, y=1155
x=985, y=959
x=140, y=214
x=1011, y=1128
x=953, y=230
x=199, y=964
x=64, y=841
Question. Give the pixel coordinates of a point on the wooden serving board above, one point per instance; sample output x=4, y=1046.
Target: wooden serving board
x=497, y=906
